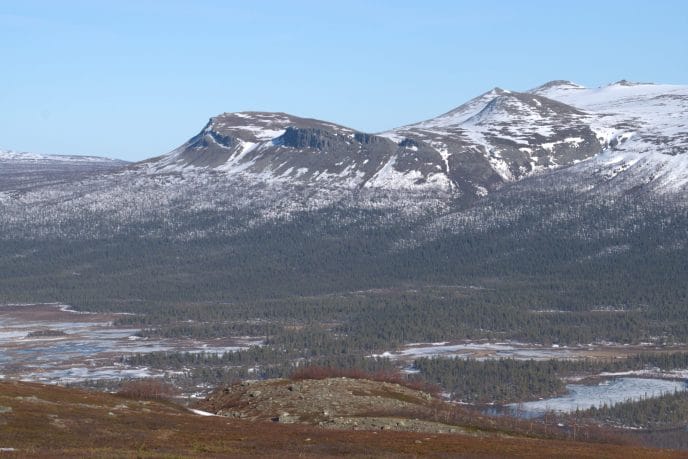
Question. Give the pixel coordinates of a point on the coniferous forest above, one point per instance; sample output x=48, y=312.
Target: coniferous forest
x=334, y=285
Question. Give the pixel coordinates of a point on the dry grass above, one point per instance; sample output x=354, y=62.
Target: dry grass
x=50, y=421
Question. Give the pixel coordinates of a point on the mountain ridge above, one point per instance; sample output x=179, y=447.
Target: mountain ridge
x=498, y=137
x=269, y=166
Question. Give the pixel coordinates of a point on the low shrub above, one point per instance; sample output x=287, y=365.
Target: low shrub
x=147, y=389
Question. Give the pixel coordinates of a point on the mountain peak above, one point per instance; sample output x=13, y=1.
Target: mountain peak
x=512, y=106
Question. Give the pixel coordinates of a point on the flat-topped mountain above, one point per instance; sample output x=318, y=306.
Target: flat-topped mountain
x=281, y=147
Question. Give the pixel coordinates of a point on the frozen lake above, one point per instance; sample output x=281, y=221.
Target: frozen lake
x=480, y=351
x=83, y=346
x=582, y=397
x=485, y=350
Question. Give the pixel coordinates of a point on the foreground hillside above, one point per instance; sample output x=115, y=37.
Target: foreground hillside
x=49, y=421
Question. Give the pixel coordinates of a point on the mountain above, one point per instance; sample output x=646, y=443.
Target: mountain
x=631, y=117
x=559, y=138
x=498, y=137
x=579, y=186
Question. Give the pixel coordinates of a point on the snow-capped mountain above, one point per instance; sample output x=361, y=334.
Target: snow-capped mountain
x=500, y=136
x=560, y=137
x=508, y=135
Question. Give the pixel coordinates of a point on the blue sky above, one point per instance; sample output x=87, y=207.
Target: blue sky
x=135, y=79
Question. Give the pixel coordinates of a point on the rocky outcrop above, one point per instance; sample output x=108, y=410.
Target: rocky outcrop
x=339, y=403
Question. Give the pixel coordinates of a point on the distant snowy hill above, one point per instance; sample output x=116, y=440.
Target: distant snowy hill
x=631, y=117
x=10, y=156
x=22, y=170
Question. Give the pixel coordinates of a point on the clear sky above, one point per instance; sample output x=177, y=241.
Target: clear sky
x=133, y=79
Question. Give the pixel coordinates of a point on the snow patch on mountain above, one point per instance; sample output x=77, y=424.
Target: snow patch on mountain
x=391, y=178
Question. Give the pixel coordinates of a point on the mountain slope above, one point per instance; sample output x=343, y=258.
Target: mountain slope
x=502, y=136
x=633, y=117
x=645, y=128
